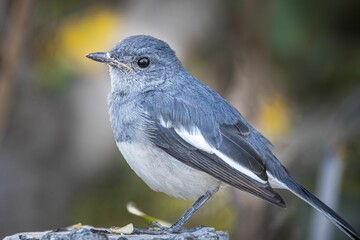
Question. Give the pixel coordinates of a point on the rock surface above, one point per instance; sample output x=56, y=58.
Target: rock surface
x=91, y=233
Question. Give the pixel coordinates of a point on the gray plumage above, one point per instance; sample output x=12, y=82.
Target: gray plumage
x=183, y=138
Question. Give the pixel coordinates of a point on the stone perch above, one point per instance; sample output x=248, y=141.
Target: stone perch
x=90, y=233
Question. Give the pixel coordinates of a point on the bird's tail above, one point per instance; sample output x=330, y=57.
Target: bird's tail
x=308, y=197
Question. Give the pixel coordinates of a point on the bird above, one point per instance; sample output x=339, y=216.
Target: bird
x=184, y=139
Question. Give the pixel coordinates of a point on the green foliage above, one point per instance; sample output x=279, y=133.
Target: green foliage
x=316, y=45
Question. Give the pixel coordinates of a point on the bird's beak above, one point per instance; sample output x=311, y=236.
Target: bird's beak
x=104, y=57
x=100, y=57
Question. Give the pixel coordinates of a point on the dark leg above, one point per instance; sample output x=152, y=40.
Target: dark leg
x=177, y=226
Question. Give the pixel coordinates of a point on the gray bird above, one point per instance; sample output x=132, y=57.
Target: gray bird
x=184, y=139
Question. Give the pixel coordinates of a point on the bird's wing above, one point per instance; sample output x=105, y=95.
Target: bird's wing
x=183, y=131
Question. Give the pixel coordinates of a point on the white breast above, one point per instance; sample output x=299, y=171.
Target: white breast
x=164, y=173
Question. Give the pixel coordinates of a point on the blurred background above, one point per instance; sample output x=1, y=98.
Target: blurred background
x=291, y=67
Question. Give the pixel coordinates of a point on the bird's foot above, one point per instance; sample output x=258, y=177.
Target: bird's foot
x=157, y=229
x=155, y=224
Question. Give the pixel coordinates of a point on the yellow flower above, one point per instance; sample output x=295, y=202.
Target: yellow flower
x=95, y=30
x=274, y=117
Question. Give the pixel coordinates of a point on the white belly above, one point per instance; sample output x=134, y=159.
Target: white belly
x=164, y=173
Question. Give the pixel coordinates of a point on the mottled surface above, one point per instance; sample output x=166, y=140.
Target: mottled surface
x=90, y=233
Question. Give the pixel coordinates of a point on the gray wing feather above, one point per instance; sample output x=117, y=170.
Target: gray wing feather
x=168, y=140
x=229, y=137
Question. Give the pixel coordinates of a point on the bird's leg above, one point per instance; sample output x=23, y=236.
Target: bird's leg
x=177, y=226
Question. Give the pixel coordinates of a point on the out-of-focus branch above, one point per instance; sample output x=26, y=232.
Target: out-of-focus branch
x=329, y=184
x=10, y=54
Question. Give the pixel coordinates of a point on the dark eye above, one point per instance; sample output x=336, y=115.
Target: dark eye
x=143, y=62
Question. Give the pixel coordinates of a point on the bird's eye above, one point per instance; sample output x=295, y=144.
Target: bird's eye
x=143, y=62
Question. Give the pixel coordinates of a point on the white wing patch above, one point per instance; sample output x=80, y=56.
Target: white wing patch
x=238, y=167
x=195, y=138
x=163, y=123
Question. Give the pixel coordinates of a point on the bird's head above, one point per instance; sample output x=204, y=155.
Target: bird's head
x=139, y=63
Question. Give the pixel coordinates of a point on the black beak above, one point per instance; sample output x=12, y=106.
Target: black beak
x=105, y=58
x=100, y=57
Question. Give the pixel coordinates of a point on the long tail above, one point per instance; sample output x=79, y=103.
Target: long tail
x=308, y=197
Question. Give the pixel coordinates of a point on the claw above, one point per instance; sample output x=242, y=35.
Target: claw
x=158, y=225
x=165, y=230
